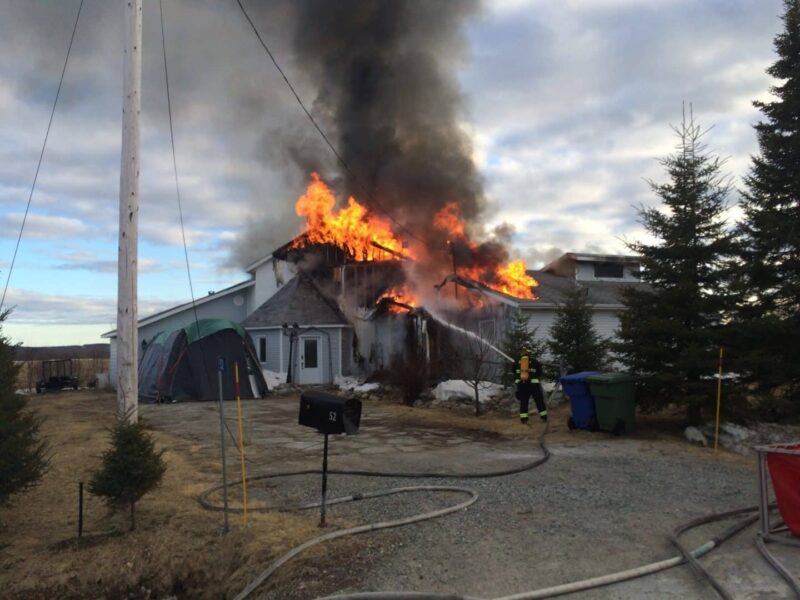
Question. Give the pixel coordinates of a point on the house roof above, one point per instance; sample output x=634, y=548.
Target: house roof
x=565, y=264
x=552, y=289
x=589, y=257
x=181, y=307
x=299, y=301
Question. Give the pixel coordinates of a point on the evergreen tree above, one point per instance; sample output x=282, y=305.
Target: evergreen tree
x=669, y=334
x=131, y=467
x=768, y=320
x=574, y=341
x=23, y=456
x=518, y=336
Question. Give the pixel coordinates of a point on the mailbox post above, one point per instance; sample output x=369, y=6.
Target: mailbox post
x=324, y=482
x=328, y=414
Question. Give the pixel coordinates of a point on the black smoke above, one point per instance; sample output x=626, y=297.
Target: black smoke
x=387, y=86
x=382, y=76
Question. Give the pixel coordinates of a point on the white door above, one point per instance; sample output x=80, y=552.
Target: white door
x=310, y=359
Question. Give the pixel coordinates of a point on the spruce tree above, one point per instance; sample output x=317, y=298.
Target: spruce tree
x=768, y=319
x=573, y=339
x=518, y=337
x=669, y=334
x=131, y=467
x=23, y=455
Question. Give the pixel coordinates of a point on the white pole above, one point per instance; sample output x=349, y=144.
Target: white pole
x=127, y=265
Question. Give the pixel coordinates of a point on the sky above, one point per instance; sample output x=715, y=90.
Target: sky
x=569, y=106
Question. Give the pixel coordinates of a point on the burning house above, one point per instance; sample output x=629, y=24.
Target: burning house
x=347, y=297
x=358, y=300
x=404, y=270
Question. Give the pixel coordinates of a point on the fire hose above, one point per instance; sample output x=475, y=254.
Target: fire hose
x=690, y=556
x=206, y=503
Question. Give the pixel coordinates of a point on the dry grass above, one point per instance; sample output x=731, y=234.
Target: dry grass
x=177, y=547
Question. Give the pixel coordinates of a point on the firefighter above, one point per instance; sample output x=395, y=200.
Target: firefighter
x=529, y=374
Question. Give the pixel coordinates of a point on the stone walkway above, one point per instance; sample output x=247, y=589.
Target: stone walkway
x=273, y=436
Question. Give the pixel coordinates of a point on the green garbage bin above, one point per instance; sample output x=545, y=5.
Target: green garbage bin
x=615, y=401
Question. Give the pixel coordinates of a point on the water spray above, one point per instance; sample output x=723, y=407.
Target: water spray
x=468, y=333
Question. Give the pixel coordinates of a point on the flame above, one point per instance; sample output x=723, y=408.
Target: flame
x=510, y=278
x=365, y=236
x=449, y=219
x=400, y=295
x=352, y=228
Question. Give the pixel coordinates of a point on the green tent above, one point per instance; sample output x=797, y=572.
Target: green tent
x=182, y=364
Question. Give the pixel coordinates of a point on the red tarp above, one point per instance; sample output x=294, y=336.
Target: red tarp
x=784, y=469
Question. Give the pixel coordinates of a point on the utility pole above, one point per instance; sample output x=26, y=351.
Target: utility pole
x=128, y=258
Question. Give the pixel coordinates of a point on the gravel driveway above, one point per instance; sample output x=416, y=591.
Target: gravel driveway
x=599, y=505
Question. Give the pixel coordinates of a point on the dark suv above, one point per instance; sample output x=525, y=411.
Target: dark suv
x=56, y=375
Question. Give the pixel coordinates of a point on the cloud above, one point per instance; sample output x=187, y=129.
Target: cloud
x=87, y=261
x=569, y=104
x=30, y=307
x=42, y=227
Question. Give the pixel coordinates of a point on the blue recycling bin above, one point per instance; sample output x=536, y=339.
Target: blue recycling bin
x=581, y=401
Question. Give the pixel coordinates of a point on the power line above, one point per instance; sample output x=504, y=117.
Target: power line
x=175, y=162
x=41, y=156
x=177, y=186
x=322, y=133
x=180, y=207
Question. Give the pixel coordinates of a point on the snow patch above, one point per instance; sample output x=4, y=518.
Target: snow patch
x=460, y=389
x=346, y=383
x=274, y=379
x=366, y=388
x=355, y=385
x=742, y=440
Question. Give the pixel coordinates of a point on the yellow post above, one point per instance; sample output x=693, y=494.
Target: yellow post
x=719, y=398
x=241, y=444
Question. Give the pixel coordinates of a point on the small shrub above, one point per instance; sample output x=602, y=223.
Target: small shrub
x=131, y=467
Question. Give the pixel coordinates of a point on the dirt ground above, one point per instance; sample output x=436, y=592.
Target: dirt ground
x=600, y=504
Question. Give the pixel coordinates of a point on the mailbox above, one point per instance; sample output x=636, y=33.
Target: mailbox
x=328, y=413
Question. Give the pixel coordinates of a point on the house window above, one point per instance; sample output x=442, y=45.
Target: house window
x=262, y=349
x=608, y=270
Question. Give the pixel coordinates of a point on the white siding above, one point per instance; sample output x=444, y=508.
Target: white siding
x=605, y=323
x=224, y=307
x=273, y=350
x=269, y=277
x=542, y=321
x=332, y=366
x=347, y=351
x=584, y=271
x=329, y=354
x=112, y=363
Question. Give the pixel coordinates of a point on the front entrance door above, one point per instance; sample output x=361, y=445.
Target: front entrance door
x=310, y=360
